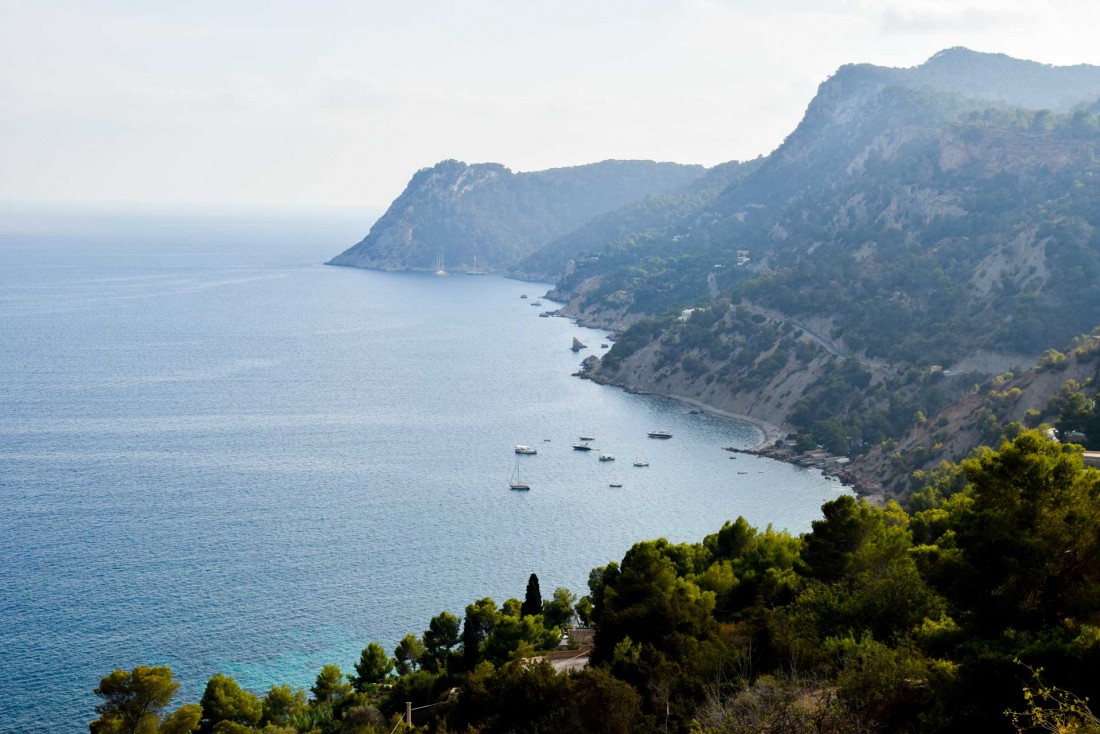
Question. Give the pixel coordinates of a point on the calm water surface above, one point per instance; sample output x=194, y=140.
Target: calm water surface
x=220, y=455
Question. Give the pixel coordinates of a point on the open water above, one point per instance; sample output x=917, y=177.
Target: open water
x=220, y=455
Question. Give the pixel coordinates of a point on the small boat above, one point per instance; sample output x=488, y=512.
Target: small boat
x=536, y=303
x=615, y=485
x=742, y=472
x=606, y=457
x=586, y=438
x=581, y=447
x=641, y=463
x=659, y=434
x=525, y=449
x=476, y=269
x=544, y=315
x=524, y=295
x=516, y=483
x=546, y=440
x=603, y=346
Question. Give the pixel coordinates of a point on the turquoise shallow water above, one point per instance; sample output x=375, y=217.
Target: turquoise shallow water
x=218, y=454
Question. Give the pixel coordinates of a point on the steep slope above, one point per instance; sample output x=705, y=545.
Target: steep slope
x=638, y=219
x=488, y=212
x=904, y=243
x=1061, y=390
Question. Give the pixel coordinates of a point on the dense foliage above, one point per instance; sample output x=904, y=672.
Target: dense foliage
x=879, y=619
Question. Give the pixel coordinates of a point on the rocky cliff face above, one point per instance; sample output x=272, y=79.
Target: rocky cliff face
x=487, y=212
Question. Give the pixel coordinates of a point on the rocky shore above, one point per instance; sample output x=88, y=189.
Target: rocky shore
x=773, y=443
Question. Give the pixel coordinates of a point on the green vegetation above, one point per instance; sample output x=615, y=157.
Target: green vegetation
x=887, y=619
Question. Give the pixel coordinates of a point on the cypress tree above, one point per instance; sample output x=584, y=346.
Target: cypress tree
x=532, y=603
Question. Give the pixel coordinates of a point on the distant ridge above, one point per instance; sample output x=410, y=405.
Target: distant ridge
x=487, y=212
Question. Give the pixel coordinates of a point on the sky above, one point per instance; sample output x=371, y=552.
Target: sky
x=332, y=104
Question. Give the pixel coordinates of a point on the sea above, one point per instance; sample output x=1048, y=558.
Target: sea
x=221, y=455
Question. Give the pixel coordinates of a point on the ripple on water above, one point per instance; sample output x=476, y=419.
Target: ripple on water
x=263, y=466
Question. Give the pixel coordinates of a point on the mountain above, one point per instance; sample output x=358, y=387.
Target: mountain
x=919, y=232
x=487, y=212
x=628, y=223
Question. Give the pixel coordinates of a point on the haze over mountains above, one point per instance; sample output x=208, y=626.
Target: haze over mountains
x=938, y=219
x=486, y=211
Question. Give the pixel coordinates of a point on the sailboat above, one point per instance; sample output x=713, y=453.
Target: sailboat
x=516, y=483
x=476, y=269
x=439, y=264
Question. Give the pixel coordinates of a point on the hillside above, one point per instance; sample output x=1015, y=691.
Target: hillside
x=904, y=243
x=629, y=223
x=487, y=212
x=1061, y=391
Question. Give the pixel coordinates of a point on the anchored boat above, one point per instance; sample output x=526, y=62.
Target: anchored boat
x=516, y=483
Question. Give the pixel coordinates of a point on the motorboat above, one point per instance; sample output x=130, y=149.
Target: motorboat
x=615, y=485
x=606, y=457
x=525, y=449
x=586, y=438
x=641, y=463
x=659, y=434
x=582, y=447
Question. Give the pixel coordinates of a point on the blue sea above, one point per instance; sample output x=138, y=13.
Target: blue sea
x=218, y=454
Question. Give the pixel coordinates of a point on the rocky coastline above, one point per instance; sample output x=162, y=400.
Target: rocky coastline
x=774, y=442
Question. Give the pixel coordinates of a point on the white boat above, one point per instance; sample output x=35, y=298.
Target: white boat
x=439, y=270
x=606, y=457
x=515, y=482
x=659, y=434
x=586, y=438
x=525, y=449
x=641, y=463
x=476, y=269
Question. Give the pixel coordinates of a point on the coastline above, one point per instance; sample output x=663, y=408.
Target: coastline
x=769, y=431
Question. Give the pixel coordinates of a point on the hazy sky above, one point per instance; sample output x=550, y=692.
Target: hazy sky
x=327, y=103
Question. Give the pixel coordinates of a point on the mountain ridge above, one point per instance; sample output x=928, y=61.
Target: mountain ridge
x=487, y=212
